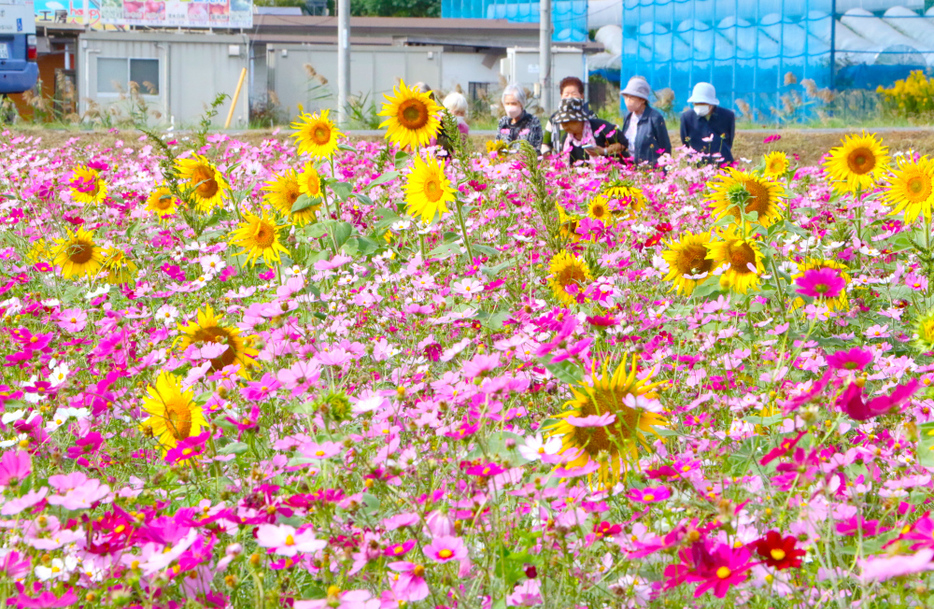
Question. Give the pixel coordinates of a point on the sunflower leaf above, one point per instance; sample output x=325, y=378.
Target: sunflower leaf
x=389, y=176
x=304, y=202
x=342, y=190
x=566, y=372
x=925, y=450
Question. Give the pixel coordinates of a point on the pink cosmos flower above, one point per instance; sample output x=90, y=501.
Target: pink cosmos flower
x=15, y=506
x=409, y=585
x=14, y=467
x=594, y=420
x=300, y=376
x=14, y=565
x=351, y=599
x=467, y=287
x=485, y=470
x=649, y=494
x=446, y=549
x=84, y=497
x=324, y=450
x=820, y=283
x=851, y=402
x=398, y=549
x=719, y=570
x=854, y=359
x=44, y=600
x=260, y=390
x=73, y=320
x=284, y=540
x=881, y=568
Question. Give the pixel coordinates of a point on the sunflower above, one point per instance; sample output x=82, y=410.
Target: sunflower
x=427, y=190
x=858, y=163
x=316, y=134
x=120, y=269
x=744, y=261
x=615, y=446
x=78, y=255
x=207, y=329
x=259, y=237
x=911, y=188
x=630, y=199
x=173, y=414
x=688, y=263
x=162, y=202
x=309, y=182
x=283, y=192
x=87, y=186
x=841, y=302
x=776, y=164
x=568, y=224
x=599, y=209
x=40, y=251
x=734, y=188
x=413, y=117
x=924, y=332
x=206, y=183
x=568, y=270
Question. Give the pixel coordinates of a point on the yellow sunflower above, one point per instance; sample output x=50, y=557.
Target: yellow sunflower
x=207, y=329
x=162, y=202
x=568, y=270
x=737, y=190
x=924, y=332
x=427, y=189
x=858, y=163
x=688, y=263
x=87, y=186
x=316, y=134
x=78, y=254
x=283, y=192
x=841, y=302
x=615, y=446
x=776, y=164
x=599, y=209
x=742, y=256
x=309, y=182
x=568, y=224
x=258, y=235
x=120, y=269
x=630, y=199
x=911, y=188
x=413, y=117
x=173, y=413
x=206, y=183
x=40, y=251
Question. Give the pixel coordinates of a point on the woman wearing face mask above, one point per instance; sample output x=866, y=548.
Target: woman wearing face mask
x=518, y=124
x=644, y=126
x=708, y=128
x=570, y=87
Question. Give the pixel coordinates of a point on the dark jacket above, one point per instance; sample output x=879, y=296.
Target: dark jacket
x=554, y=134
x=717, y=128
x=651, y=139
x=604, y=134
x=528, y=128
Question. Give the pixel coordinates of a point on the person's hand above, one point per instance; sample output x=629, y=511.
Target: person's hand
x=614, y=149
x=596, y=151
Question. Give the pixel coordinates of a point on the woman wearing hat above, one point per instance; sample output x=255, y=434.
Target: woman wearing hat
x=708, y=128
x=518, y=124
x=644, y=126
x=586, y=137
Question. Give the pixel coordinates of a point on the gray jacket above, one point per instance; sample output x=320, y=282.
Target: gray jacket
x=651, y=137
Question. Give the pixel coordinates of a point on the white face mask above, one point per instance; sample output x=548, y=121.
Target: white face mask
x=702, y=109
x=513, y=111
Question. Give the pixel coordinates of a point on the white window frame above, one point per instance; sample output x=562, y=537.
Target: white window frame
x=126, y=85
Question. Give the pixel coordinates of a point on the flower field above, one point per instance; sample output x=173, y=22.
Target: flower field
x=359, y=375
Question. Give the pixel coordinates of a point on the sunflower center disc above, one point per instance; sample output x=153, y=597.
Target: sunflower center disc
x=861, y=161
x=207, y=185
x=264, y=236
x=413, y=114
x=759, y=200
x=164, y=202
x=694, y=261
x=432, y=190
x=919, y=186
x=213, y=334
x=179, y=419
x=741, y=256
x=321, y=135
x=80, y=252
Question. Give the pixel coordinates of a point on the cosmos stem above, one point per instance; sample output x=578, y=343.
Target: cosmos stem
x=781, y=290
x=460, y=220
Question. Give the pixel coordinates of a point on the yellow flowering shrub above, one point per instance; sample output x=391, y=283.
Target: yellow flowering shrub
x=909, y=97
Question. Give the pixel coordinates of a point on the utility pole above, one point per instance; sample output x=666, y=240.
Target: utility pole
x=343, y=59
x=544, y=55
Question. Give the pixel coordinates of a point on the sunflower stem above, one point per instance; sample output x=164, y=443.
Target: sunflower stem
x=460, y=219
x=781, y=290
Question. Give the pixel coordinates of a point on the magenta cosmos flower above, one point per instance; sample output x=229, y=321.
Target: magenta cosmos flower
x=409, y=582
x=854, y=359
x=446, y=549
x=820, y=283
x=14, y=467
x=724, y=568
x=649, y=494
x=336, y=599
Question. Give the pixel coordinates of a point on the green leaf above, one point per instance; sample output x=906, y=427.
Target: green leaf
x=342, y=190
x=493, y=271
x=367, y=246
x=351, y=247
x=486, y=250
x=711, y=287
x=566, y=372
x=494, y=320
x=401, y=158
x=387, y=218
x=304, y=202
x=443, y=250
x=925, y=447
x=362, y=198
x=342, y=232
x=316, y=230
x=386, y=177
x=235, y=448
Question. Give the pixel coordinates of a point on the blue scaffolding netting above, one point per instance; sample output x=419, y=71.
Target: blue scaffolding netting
x=568, y=16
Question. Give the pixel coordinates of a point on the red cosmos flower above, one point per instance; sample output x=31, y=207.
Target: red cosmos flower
x=782, y=449
x=851, y=402
x=778, y=552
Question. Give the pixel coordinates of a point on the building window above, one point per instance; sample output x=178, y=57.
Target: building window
x=114, y=75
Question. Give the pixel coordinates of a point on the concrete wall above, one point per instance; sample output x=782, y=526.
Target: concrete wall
x=307, y=74
x=465, y=68
x=192, y=70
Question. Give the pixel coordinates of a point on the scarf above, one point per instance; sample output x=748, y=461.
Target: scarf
x=586, y=138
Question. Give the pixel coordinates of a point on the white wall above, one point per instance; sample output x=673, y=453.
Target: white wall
x=464, y=68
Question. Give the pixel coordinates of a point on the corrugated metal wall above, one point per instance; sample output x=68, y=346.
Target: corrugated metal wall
x=307, y=75
x=193, y=69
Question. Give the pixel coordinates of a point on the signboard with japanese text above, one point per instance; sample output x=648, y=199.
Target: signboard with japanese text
x=178, y=13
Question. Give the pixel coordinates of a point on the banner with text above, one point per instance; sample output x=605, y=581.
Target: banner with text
x=178, y=13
